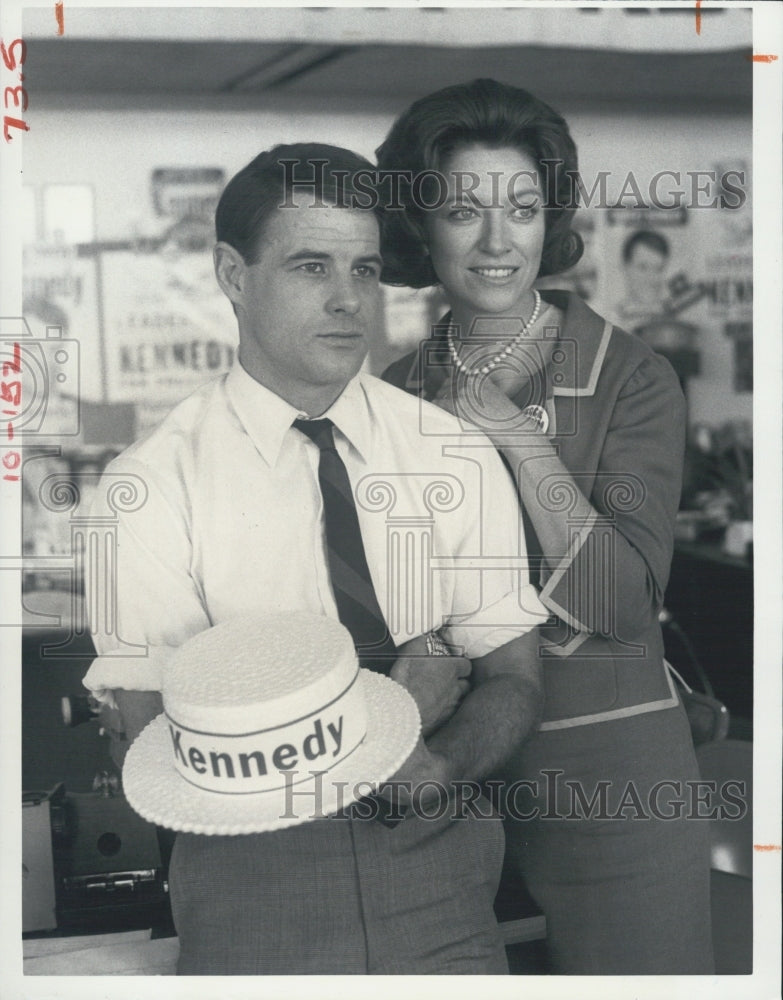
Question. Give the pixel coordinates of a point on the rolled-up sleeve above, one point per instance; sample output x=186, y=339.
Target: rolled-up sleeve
x=131, y=673
x=514, y=614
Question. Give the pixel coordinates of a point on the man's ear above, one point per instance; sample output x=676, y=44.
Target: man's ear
x=230, y=269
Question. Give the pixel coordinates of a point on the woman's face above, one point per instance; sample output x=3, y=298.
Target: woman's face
x=485, y=241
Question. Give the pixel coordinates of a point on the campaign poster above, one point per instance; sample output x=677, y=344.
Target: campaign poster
x=168, y=327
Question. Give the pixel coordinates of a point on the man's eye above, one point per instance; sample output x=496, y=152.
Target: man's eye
x=366, y=271
x=312, y=267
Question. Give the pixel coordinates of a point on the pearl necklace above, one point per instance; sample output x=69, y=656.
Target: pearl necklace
x=490, y=365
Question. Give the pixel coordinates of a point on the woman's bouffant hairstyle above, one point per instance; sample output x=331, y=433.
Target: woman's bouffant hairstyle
x=486, y=113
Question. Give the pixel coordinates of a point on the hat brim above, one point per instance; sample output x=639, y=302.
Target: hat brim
x=154, y=788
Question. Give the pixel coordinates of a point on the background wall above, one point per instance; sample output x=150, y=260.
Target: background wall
x=115, y=150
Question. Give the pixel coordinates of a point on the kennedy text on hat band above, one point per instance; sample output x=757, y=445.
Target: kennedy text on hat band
x=258, y=761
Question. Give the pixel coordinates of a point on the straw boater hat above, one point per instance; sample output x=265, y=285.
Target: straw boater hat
x=267, y=722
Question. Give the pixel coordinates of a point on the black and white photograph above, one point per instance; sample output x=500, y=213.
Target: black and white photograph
x=385, y=591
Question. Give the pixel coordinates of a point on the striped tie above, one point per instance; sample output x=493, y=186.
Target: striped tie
x=354, y=593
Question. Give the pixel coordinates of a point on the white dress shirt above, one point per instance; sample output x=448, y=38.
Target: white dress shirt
x=233, y=524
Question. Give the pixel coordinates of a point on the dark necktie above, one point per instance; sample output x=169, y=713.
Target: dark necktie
x=354, y=593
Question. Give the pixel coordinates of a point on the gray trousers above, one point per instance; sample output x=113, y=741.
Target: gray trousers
x=341, y=896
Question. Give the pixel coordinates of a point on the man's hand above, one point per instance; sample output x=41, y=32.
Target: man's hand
x=136, y=709
x=437, y=683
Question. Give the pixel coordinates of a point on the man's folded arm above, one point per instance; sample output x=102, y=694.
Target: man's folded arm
x=502, y=710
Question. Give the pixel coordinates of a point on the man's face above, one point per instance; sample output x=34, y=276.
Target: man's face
x=645, y=276
x=308, y=306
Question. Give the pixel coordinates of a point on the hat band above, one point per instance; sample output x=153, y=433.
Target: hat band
x=267, y=759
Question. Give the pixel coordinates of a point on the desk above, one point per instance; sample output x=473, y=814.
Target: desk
x=132, y=953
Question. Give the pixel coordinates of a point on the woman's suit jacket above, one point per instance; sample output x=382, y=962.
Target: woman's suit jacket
x=617, y=418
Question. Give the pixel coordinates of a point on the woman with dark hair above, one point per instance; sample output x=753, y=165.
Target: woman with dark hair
x=591, y=424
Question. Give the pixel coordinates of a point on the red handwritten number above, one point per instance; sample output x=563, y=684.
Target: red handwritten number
x=11, y=392
x=15, y=91
x=13, y=367
x=13, y=123
x=12, y=460
x=8, y=53
x=12, y=60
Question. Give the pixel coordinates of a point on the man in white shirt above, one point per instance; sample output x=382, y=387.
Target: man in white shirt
x=233, y=523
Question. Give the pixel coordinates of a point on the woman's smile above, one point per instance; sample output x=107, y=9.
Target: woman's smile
x=494, y=273
x=485, y=243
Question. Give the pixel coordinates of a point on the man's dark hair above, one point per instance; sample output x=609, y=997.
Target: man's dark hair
x=486, y=113
x=327, y=174
x=645, y=238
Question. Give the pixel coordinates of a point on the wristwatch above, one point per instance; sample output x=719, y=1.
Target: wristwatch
x=436, y=645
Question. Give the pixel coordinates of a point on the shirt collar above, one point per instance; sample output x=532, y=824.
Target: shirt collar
x=351, y=414
x=267, y=417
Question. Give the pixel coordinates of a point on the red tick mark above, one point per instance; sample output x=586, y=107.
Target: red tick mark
x=58, y=13
x=698, y=17
x=766, y=847
x=766, y=59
